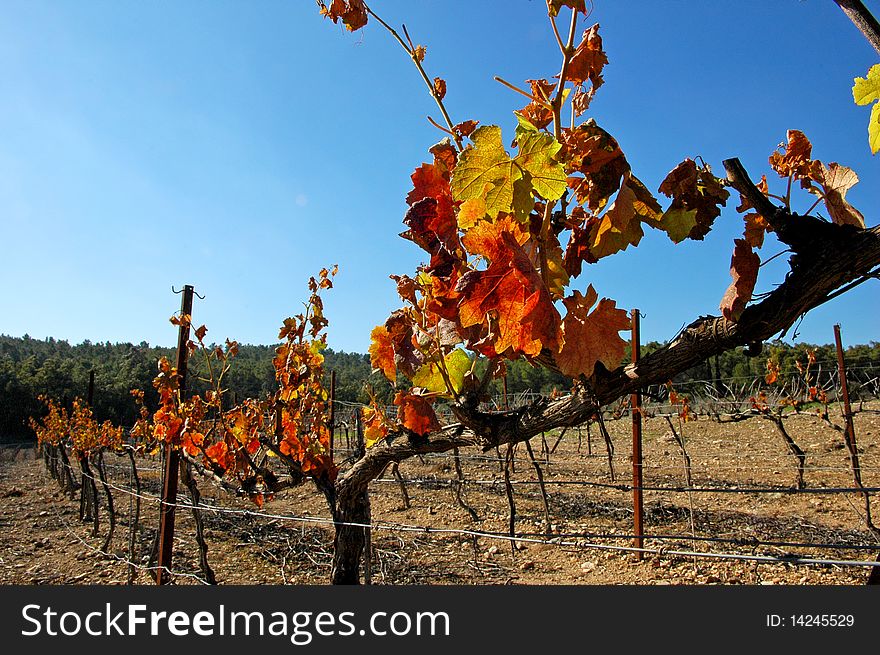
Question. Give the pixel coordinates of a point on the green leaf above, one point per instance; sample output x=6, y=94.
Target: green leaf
x=485, y=170
x=678, y=222
x=505, y=184
x=537, y=156
x=429, y=377
x=866, y=90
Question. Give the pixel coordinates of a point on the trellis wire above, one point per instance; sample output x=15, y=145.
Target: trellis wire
x=559, y=541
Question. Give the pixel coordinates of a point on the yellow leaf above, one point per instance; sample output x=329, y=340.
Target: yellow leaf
x=429, y=377
x=866, y=90
x=874, y=129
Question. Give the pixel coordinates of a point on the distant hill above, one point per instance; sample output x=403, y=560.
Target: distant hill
x=31, y=367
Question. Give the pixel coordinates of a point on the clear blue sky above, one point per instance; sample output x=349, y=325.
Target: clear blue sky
x=241, y=146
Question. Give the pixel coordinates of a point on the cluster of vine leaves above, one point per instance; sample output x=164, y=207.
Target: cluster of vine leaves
x=508, y=235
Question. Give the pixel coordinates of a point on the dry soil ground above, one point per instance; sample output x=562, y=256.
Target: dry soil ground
x=42, y=540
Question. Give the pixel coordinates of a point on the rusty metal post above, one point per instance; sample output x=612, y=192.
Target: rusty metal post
x=850, y=437
x=332, y=410
x=172, y=456
x=368, y=518
x=850, y=432
x=636, y=403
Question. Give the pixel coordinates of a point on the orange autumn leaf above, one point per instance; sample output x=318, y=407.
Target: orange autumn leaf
x=577, y=251
x=465, y=128
x=588, y=61
x=591, y=337
x=511, y=301
x=429, y=181
x=220, y=455
x=593, y=162
x=695, y=189
x=407, y=359
x=744, y=270
x=439, y=88
x=352, y=13
x=554, y=6
x=538, y=111
x=755, y=229
x=416, y=413
x=382, y=352
x=620, y=226
x=376, y=424
x=772, y=372
x=796, y=160
x=445, y=155
x=836, y=180
x=485, y=237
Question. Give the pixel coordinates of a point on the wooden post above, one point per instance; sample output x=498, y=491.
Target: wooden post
x=172, y=455
x=636, y=404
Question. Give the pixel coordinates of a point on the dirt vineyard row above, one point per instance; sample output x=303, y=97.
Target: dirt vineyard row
x=43, y=542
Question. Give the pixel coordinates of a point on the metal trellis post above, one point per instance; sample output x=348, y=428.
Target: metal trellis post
x=172, y=456
x=636, y=402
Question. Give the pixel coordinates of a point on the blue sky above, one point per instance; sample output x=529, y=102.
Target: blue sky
x=241, y=146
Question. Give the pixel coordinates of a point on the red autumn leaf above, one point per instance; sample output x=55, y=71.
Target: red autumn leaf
x=407, y=359
x=439, y=88
x=588, y=61
x=433, y=227
x=431, y=217
x=510, y=300
x=591, y=337
x=416, y=413
x=290, y=445
x=620, y=226
x=429, y=182
x=445, y=156
x=191, y=441
x=465, y=128
x=744, y=270
x=577, y=251
x=594, y=163
x=441, y=296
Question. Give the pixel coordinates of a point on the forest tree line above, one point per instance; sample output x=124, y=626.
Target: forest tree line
x=31, y=367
